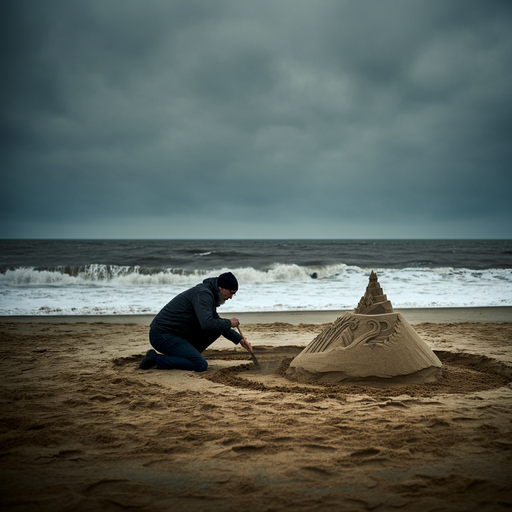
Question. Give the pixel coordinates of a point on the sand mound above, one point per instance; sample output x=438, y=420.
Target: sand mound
x=371, y=344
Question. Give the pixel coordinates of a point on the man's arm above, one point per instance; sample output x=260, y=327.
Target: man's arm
x=237, y=338
x=204, y=307
x=232, y=335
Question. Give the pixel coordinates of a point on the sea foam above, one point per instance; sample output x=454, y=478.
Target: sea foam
x=110, y=289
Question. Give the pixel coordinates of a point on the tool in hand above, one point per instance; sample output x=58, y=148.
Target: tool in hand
x=253, y=357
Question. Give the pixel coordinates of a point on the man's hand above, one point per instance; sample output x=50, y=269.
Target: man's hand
x=246, y=345
x=234, y=322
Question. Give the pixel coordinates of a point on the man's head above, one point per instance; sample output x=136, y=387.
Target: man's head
x=228, y=286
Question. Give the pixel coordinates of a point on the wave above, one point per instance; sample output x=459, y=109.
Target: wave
x=136, y=275
x=104, y=289
x=113, y=275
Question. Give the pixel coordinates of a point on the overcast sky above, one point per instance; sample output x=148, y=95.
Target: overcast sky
x=256, y=119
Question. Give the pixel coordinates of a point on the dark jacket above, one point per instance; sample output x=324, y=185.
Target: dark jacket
x=194, y=311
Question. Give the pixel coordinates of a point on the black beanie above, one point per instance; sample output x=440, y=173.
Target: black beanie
x=227, y=281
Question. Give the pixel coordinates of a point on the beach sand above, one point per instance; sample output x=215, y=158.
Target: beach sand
x=83, y=429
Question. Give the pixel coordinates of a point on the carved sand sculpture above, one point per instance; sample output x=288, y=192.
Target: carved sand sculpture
x=371, y=344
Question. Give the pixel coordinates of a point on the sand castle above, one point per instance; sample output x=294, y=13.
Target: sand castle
x=372, y=344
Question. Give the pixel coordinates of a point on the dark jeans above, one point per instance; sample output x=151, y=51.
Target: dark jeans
x=176, y=353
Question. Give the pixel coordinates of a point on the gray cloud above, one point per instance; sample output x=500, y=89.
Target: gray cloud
x=275, y=118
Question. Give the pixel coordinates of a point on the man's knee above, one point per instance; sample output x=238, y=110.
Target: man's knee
x=200, y=366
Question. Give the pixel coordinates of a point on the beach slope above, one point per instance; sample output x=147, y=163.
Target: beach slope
x=82, y=428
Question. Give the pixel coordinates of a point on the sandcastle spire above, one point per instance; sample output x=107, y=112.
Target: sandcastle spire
x=373, y=302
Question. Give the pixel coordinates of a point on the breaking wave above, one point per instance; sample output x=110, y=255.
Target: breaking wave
x=125, y=275
x=111, y=289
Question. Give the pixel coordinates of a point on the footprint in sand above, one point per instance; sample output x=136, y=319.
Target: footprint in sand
x=249, y=448
x=370, y=452
x=320, y=447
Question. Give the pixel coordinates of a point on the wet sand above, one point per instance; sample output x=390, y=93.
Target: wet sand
x=412, y=315
x=83, y=429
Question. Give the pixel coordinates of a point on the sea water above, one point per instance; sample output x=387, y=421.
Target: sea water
x=110, y=277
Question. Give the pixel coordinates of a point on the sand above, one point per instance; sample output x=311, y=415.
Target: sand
x=83, y=429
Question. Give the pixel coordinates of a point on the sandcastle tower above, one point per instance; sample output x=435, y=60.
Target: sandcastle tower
x=372, y=344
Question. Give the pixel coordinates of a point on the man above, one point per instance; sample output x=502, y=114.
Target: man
x=189, y=324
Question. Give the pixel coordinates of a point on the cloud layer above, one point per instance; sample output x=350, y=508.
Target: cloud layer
x=243, y=119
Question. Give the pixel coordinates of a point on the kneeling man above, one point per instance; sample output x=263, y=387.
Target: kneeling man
x=189, y=324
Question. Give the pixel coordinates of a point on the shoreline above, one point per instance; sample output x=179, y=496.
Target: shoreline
x=491, y=314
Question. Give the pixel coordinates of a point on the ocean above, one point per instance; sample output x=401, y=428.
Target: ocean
x=114, y=277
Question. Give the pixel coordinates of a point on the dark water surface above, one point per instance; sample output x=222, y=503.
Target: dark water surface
x=155, y=255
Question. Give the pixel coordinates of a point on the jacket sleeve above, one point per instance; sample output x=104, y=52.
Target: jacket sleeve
x=232, y=335
x=209, y=320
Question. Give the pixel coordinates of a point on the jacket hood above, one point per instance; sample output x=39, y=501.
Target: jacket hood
x=211, y=282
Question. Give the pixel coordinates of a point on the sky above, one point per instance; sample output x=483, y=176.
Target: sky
x=236, y=119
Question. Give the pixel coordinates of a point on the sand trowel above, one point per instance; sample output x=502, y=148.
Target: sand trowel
x=253, y=357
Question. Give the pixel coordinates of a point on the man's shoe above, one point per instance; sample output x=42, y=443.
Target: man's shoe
x=149, y=361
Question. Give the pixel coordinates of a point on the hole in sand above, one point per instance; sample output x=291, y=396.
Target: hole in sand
x=462, y=374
